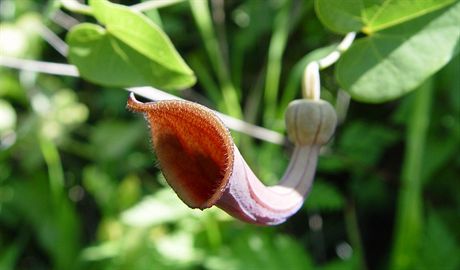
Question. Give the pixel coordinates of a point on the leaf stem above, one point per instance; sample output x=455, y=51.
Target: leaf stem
x=39, y=66
x=202, y=16
x=213, y=232
x=54, y=40
x=55, y=172
x=351, y=221
x=274, y=65
x=334, y=56
x=77, y=7
x=311, y=85
x=64, y=20
x=409, y=216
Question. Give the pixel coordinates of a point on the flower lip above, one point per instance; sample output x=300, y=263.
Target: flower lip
x=194, y=148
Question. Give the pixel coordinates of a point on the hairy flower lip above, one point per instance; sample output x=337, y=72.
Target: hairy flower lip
x=154, y=112
x=204, y=167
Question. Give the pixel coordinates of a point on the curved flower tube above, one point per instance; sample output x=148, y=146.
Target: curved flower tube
x=204, y=167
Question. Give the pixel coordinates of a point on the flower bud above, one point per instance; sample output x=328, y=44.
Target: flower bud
x=310, y=121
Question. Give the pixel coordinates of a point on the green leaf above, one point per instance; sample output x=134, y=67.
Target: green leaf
x=371, y=16
x=100, y=59
x=395, y=61
x=140, y=33
x=130, y=51
x=340, y=16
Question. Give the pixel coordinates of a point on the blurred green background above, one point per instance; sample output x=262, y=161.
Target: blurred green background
x=80, y=189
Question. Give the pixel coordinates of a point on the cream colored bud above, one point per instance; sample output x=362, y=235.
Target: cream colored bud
x=310, y=121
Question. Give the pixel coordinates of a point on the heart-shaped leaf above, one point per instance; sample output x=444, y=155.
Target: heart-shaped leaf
x=396, y=60
x=370, y=16
x=130, y=51
x=407, y=42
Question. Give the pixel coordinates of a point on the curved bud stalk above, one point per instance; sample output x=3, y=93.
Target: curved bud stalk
x=204, y=167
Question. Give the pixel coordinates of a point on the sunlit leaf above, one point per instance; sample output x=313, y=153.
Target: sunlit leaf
x=385, y=66
x=372, y=15
x=412, y=42
x=130, y=51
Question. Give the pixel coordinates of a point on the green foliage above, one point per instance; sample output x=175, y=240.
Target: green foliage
x=371, y=16
x=407, y=42
x=262, y=251
x=79, y=185
x=130, y=51
x=57, y=230
x=396, y=60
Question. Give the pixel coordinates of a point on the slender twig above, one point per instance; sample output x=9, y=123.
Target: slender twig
x=77, y=7
x=218, y=16
x=352, y=226
x=55, y=171
x=409, y=215
x=276, y=49
x=146, y=92
x=145, y=6
x=54, y=40
x=203, y=19
x=39, y=66
x=64, y=20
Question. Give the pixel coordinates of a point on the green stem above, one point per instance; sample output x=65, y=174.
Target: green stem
x=213, y=232
x=209, y=84
x=55, y=172
x=351, y=221
x=202, y=16
x=409, y=216
x=275, y=54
